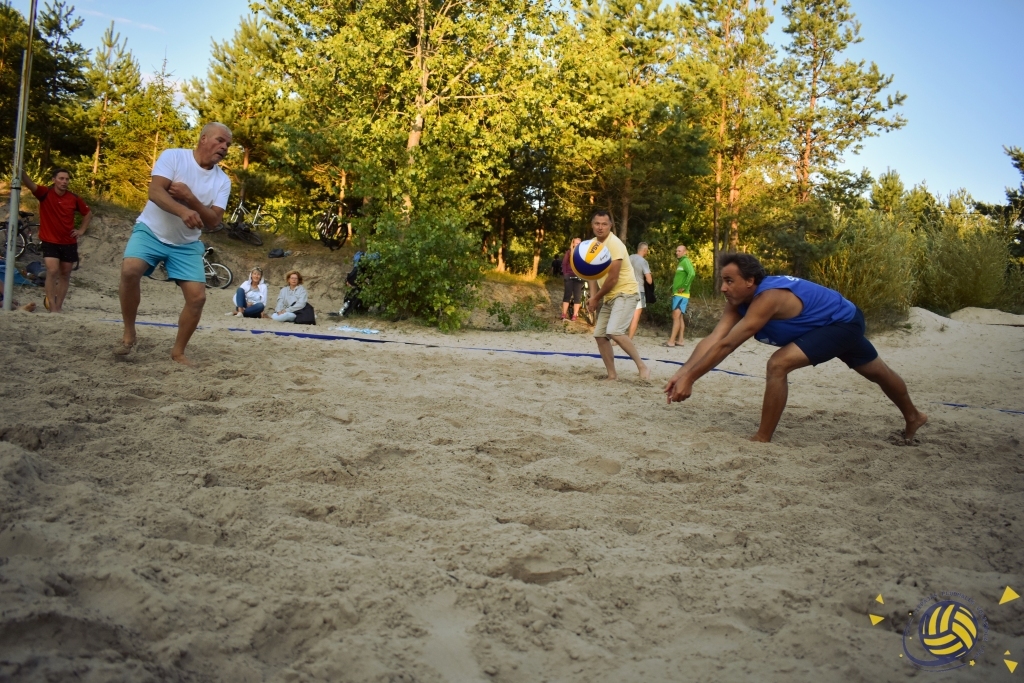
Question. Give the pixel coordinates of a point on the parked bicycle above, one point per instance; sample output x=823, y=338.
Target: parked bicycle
x=217, y=274
x=23, y=240
x=587, y=316
x=244, y=223
x=332, y=230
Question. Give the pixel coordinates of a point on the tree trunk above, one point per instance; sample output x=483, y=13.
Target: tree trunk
x=803, y=175
x=416, y=132
x=627, y=199
x=538, y=243
x=99, y=138
x=501, y=245
x=734, y=200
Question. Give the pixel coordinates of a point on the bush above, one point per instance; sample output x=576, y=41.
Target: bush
x=427, y=268
x=962, y=267
x=522, y=315
x=1011, y=299
x=872, y=265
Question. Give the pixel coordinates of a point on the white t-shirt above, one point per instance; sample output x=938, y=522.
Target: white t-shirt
x=210, y=187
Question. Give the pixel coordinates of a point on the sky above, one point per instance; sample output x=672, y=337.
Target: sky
x=958, y=63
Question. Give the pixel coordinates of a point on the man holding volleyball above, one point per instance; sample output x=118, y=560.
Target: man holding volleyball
x=617, y=295
x=812, y=324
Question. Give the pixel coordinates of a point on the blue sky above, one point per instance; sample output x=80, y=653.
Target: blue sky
x=958, y=62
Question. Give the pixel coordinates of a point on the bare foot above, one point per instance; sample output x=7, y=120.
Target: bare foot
x=760, y=439
x=607, y=378
x=31, y=306
x=914, y=425
x=183, y=359
x=125, y=346
x=645, y=372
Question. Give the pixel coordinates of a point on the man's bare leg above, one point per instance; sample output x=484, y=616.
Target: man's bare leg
x=130, y=294
x=608, y=356
x=776, y=389
x=626, y=344
x=677, y=319
x=188, y=321
x=896, y=389
x=62, y=287
x=50, y=287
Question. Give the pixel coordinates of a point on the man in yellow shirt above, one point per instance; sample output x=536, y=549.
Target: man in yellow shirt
x=617, y=295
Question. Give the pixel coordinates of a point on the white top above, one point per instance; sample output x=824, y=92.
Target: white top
x=255, y=296
x=211, y=188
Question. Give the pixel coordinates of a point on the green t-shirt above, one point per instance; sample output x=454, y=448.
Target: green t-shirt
x=684, y=276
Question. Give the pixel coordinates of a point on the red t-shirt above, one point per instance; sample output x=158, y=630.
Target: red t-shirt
x=57, y=215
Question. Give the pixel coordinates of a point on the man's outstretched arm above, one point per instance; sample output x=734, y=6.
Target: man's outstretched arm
x=731, y=331
x=27, y=182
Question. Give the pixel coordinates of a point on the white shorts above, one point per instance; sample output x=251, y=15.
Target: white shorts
x=643, y=301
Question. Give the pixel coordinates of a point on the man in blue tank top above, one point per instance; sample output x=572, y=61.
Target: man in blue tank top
x=812, y=324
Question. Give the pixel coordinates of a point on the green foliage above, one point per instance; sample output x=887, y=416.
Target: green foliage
x=426, y=268
x=873, y=265
x=521, y=315
x=963, y=266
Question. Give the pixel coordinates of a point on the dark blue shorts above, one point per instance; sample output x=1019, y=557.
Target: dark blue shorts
x=845, y=341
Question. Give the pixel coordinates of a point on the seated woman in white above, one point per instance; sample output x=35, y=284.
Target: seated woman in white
x=251, y=297
x=291, y=300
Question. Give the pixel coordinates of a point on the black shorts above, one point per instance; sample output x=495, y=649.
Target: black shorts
x=572, y=290
x=845, y=341
x=67, y=253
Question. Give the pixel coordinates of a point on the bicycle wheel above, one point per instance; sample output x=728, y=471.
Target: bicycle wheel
x=19, y=243
x=159, y=273
x=216, y=228
x=585, y=313
x=249, y=236
x=218, y=275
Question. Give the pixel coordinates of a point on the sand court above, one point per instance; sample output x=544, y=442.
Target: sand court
x=305, y=510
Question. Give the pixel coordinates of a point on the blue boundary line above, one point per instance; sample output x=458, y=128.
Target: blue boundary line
x=525, y=352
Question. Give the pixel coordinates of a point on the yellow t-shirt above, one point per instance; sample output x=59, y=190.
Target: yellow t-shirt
x=627, y=280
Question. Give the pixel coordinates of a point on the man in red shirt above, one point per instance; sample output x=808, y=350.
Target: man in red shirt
x=58, y=234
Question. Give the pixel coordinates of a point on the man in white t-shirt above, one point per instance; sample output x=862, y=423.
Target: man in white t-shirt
x=187, y=191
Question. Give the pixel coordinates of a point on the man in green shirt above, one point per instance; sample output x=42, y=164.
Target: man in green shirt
x=680, y=295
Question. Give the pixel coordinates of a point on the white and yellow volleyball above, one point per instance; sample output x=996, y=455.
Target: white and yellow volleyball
x=591, y=260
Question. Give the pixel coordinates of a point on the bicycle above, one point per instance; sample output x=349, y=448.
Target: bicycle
x=23, y=240
x=588, y=317
x=332, y=231
x=217, y=274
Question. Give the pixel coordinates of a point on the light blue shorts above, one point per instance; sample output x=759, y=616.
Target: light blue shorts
x=182, y=261
x=679, y=303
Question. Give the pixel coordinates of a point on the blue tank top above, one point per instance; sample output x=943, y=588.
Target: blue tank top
x=822, y=306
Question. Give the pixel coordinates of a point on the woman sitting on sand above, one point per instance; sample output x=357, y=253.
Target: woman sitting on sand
x=251, y=297
x=292, y=298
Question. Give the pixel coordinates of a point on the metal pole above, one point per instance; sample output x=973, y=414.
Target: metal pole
x=19, y=161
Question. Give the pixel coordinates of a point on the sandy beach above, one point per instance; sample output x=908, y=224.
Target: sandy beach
x=298, y=509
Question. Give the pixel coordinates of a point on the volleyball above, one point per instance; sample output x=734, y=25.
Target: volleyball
x=948, y=630
x=591, y=260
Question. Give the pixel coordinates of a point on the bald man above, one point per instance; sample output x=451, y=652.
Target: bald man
x=187, y=191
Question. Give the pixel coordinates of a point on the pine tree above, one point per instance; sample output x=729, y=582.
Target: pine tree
x=241, y=91
x=114, y=77
x=832, y=106
x=733, y=64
